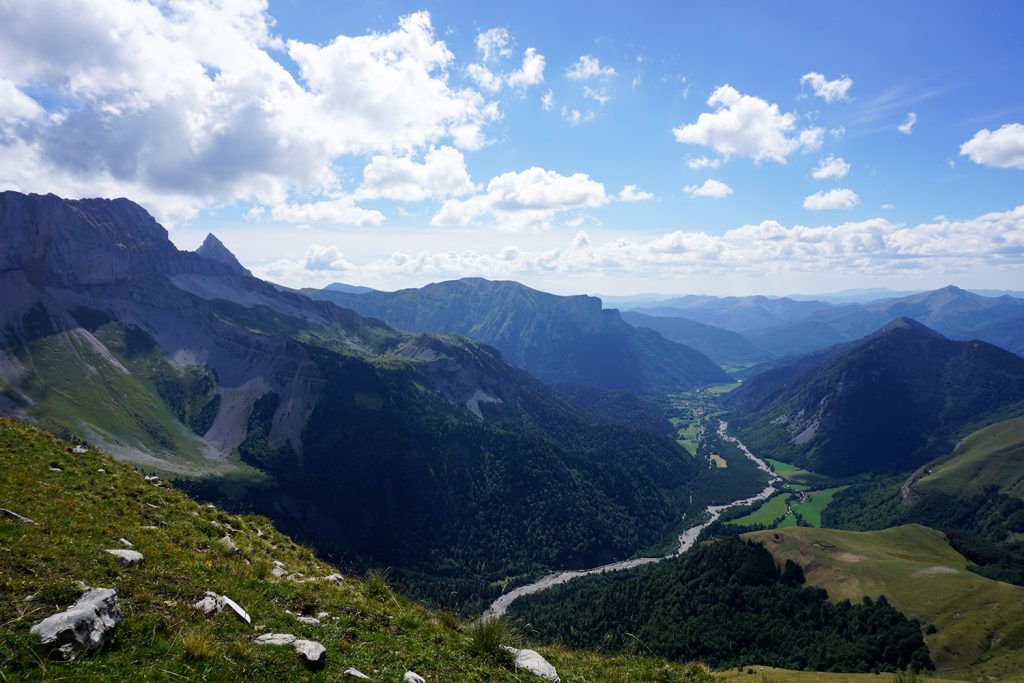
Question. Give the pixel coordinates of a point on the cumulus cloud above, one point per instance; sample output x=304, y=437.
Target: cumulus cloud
x=630, y=193
x=525, y=200
x=710, y=188
x=442, y=174
x=873, y=247
x=531, y=72
x=744, y=125
x=704, y=162
x=907, y=126
x=830, y=91
x=325, y=257
x=575, y=117
x=183, y=105
x=587, y=67
x=547, y=101
x=1002, y=148
x=337, y=211
x=494, y=43
x=831, y=168
x=839, y=198
x=599, y=95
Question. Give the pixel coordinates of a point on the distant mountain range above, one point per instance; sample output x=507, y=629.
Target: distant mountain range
x=779, y=327
x=424, y=452
x=886, y=403
x=560, y=339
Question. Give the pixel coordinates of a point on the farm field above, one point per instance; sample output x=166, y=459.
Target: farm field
x=771, y=510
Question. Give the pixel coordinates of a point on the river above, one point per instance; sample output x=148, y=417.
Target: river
x=686, y=539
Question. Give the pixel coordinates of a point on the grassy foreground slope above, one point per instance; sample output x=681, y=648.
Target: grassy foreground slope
x=92, y=501
x=988, y=457
x=980, y=622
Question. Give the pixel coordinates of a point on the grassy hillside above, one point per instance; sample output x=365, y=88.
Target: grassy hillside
x=92, y=501
x=988, y=457
x=980, y=622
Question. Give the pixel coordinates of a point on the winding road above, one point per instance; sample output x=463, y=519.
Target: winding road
x=686, y=539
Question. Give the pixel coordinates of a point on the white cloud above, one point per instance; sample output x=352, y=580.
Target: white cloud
x=588, y=67
x=888, y=206
x=183, y=105
x=830, y=91
x=547, y=101
x=710, y=188
x=743, y=125
x=325, y=257
x=811, y=139
x=337, y=211
x=531, y=72
x=15, y=105
x=868, y=248
x=908, y=124
x=525, y=200
x=630, y=193
x=493, y=43
x=600, y=96
x=831, y=167
x=1002, y=148
x=839, y=198
x=704, y=162
x=442, y=174
x=839, y=132
x=575, y=117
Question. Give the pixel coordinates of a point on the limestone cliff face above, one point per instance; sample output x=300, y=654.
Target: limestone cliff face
x=69, y=243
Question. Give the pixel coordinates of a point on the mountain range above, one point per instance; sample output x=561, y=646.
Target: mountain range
x=425, y=452
x=887, y=402
x=559, y=339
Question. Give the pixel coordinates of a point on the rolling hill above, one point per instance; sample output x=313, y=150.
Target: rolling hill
x=979, y=622
x=559, y=339
x=183, y=364
x=889, y=402
x=992, y=457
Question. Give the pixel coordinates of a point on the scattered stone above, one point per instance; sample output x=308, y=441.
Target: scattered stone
x=311, y=651
x=11, y=514
x=228, y=543
x=152, y=479
x=322, y=615
x=155, y=507
x=336, y=579
x=86, y=626
x=149, y=526
x=101, y=471
x=213, y=603
x=210, y=506
x=127, y=558
x=276, y=639
x=308, y=621
x=56, y=469
x=413, y=677
x=125, y=542
x=355, y=673
x=278, y=569
x=531, y=662
x=79, y=449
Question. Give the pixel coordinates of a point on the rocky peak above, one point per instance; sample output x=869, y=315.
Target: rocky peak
x=75, y=242
x=213, y=249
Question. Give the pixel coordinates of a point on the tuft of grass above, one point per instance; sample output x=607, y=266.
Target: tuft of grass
x=197, y=645
x=907, y=677
x=486, y=637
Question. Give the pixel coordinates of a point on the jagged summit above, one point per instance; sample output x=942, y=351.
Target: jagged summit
x=213, y=249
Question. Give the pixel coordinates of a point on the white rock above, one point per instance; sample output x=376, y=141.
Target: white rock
x=125, y=542
x=127, y=558
x=79, y=449
x=11, y=514
x=155, y=507
x=56, y=469
x=311, y=651
x=531, y=662
x=213, y=603
x=84, y=627
x=336, y=579
x=228, y=543
x=101, y=471
x=308, y=621
x=413, y=677
x=355, y=673
x=322, y=615
x=236, y=608
x=276, y=639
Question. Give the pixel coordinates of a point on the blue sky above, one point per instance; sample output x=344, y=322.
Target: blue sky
x=393, y=144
